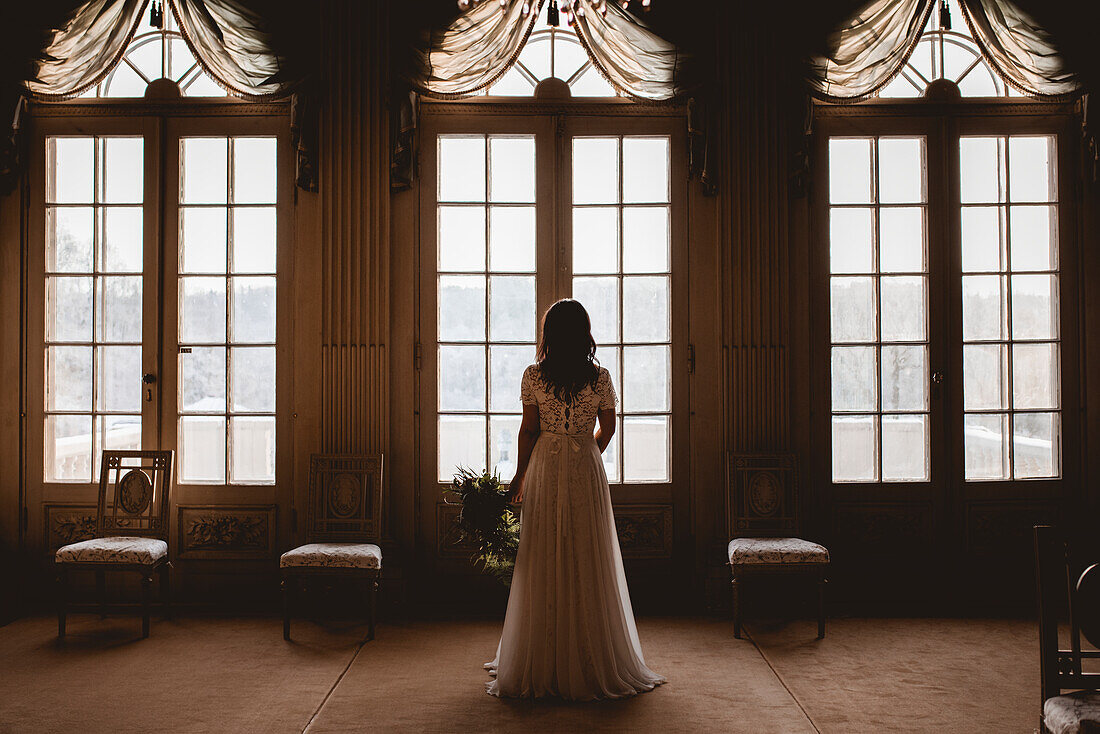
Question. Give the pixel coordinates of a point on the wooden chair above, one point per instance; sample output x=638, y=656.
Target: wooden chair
x=131, y=530
x=344, y=512
x=1061, y=670
x=762, y=510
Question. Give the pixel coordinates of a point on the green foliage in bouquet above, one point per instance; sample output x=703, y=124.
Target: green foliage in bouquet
x=486, y=520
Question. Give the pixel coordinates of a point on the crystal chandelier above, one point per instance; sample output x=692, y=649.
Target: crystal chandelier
x=568, y=8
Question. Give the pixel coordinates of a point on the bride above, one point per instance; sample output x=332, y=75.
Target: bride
x=569, y=630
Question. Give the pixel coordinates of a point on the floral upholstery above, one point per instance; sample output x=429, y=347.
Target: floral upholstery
x=333, y=555
x=748, y=551
x=144, y=551
x=1073, y=713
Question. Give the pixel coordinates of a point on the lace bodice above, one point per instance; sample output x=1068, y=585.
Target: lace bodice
x=575, y=418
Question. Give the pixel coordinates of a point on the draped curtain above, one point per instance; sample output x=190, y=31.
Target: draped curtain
x=482, y=44
x=869, y=50
x=227, y=38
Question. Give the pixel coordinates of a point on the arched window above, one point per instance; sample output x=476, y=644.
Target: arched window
x=552, y=51
x=947, y=50
x=157, y=53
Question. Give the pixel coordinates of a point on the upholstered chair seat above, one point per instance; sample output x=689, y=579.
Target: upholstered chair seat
x=775, y=550
x=1073, y=713
x=333, y=555
x=117, y=549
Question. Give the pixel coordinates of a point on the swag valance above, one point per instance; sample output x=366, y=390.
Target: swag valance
x=227, y=38
x=868, y=51
x=482, y=44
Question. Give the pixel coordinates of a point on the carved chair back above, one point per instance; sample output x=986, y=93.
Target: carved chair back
x=1063, y=585
x=762, y=495
x=134, y=488
x=345, y=498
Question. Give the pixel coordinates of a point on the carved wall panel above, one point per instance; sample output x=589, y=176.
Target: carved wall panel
x=68, y=524
x=645, y=531
x=220, y=531
x=449, y=543
x=1003, y=530
x=881, y=527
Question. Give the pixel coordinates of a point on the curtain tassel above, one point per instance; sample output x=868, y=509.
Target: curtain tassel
x=945, y=16
x=156, y=14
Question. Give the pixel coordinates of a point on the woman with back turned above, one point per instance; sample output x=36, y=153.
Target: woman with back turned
x=569, y=630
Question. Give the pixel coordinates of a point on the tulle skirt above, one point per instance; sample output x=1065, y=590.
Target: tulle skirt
x=569, y=630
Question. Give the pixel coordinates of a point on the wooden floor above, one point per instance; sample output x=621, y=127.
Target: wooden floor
x=207, y=674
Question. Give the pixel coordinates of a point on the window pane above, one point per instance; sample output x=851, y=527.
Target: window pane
x=986, y=439
x=855, y=457
x=901, y=240
x=254, y=240
x=982, y=238
x=123, y=244
x=854, y=378
x=645, y=170
x=1030, y=238
x=1031, y=170
x=901, y=170
x=117, y=433
x=596, y=240
x=461, y=308
x=68, y=448
x=253, y=309
x=253, y=385
x=985, y=377
x=507, y=364
x=645, y=239
x=123, y=165
x=503, y=434
x=511, y=238
x=512, y=169
x=904, y=379
x=645, y=448
x=203, y=240
x=595, y=170
x=72, y=172
x=252, y=439
x=202, y=449
x=850, y=170
x=462, y=378
x=903, y=308
x=853, y=309
x=646, y=380
x=1034, y=376
x=600, y=297
x=904, y=448
x=461, y=444
x=204, y=177
x=851, y=247
x=69, y=232
x=983, y=307
x=981, y=170
x=69, y=309
x=1034, y=447
x=202, y=310
x=461, y=238
x=512, y=308
x=255, y=177
x=461, y=168
x=202, y=380
x=645, y=309
x=124, y=82
x=611, y=457
x=120, y=309
x=69, y=378
x=119, y=377
x=1034, y=307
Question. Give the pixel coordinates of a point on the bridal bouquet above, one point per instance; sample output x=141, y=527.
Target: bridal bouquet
x=486, y=520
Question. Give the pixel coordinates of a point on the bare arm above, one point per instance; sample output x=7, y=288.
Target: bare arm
x=606, y=417
x=528, y=433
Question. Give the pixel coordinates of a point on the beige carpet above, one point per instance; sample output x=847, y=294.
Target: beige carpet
x=200, y=674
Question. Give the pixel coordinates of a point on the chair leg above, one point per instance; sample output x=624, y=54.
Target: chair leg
x=736, y=584
x=286, y=607
x=101, y=592
x=373, y=602
x=146, y=594
x=821, y=606
x=62, y=599
x=166, y=590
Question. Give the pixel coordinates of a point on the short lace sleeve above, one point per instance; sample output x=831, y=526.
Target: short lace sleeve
x=527, y=385
x=606, y=390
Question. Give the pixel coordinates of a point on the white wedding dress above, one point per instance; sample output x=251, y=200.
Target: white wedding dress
x=569, y=630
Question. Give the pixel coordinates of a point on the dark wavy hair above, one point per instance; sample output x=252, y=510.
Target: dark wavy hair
x=567, y=351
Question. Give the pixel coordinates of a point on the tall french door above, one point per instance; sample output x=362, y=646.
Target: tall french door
x=154, y=321
x=517, y=212
x=947, y=380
